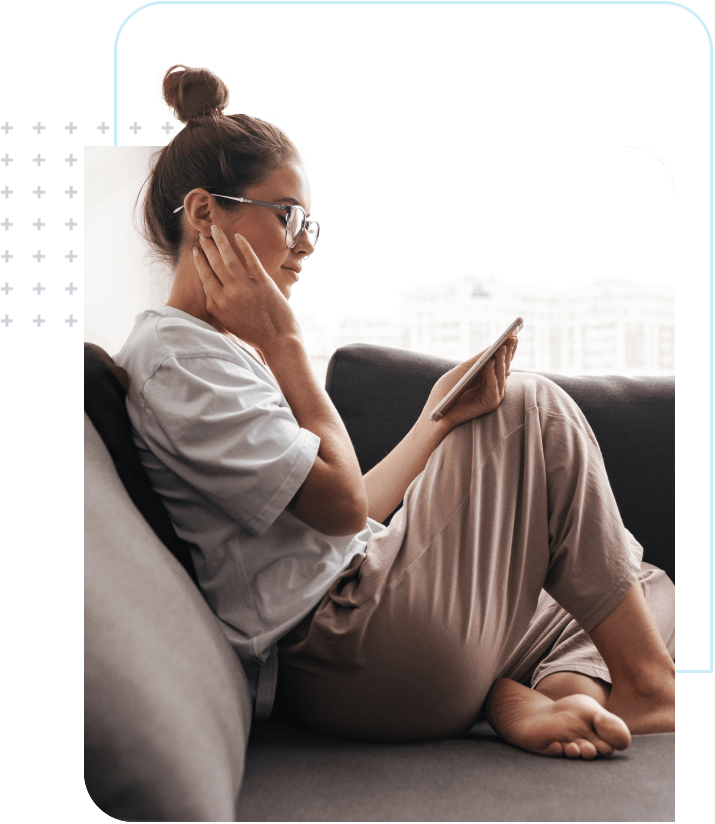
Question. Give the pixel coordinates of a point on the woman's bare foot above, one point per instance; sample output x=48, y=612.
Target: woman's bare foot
x=576, y=726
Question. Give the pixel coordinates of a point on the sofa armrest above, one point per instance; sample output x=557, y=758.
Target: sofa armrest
x=167, y=704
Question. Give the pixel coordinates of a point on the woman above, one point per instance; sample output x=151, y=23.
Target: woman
x=384, y=633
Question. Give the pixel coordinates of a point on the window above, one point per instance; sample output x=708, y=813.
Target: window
x=577, y=240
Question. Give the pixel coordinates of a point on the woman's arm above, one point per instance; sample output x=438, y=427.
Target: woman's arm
x=387, y=482
x=244, y=299
x=332, y=498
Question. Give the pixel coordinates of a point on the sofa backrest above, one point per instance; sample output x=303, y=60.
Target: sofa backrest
x=633, y=420
x=167, y=704
x=379, y=393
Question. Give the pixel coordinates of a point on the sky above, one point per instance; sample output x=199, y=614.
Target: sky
x=395, y=218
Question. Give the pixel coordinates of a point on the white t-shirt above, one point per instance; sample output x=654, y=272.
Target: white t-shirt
x=225, y=453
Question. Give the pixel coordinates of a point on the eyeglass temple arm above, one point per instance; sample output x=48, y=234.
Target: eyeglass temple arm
x=287, y=206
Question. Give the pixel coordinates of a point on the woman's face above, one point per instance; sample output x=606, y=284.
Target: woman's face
x=265, y=229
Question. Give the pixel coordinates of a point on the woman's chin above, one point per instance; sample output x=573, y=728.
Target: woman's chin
x=285, y=284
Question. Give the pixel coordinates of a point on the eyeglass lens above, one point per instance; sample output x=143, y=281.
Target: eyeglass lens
x=296, y=224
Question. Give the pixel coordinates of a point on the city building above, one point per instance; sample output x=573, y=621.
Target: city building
x=608, y=327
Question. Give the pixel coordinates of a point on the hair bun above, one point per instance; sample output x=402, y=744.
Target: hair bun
x=194, y=93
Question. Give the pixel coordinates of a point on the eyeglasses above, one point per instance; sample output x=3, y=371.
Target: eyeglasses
x=296, y=221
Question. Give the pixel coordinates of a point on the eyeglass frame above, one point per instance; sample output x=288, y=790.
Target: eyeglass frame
x=284, y=207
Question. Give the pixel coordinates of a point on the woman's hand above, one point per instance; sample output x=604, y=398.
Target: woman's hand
x=484, y=396
x=387, y=482
x=240, y=294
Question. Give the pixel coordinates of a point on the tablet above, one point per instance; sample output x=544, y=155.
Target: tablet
x=470, y=378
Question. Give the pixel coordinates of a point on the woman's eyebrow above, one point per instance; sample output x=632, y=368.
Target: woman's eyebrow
x=291, y=200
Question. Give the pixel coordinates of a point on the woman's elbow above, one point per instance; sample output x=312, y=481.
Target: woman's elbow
x=349, y=516
x=331, y=514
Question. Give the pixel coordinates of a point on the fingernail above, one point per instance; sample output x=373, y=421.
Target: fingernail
x=195, y=251
x=214, y=230
x=238, y=237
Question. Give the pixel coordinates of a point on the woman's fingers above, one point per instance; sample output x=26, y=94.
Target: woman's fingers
x=222, y=256
x=208, y=276
x=214, y=258
x=240, y=259
x=501, y=369
x=510, y=350
x=489, y=395
x=251, y=263
x=232, y=261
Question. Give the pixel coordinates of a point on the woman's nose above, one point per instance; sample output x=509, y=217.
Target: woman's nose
x=305, y=243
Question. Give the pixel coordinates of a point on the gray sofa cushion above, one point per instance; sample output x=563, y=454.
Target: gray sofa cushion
x=293, y=775
x=633, y=420
x=167, y=705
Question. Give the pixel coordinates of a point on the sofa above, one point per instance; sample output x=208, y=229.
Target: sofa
x=168, y=728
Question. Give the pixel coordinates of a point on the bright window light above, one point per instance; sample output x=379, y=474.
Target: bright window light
x=436, y=249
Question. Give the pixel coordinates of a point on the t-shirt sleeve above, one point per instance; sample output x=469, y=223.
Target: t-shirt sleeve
x=228, y=433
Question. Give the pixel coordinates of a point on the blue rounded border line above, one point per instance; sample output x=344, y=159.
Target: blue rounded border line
x=498, y=3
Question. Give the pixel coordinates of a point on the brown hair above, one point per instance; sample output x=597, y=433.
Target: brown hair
x=226, y=154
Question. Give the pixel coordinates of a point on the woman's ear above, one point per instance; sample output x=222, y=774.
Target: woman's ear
x=198, y=211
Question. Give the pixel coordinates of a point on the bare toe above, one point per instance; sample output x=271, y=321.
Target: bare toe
x=612, y=729
x=588, y=750
x=603, y=747
x=571, y=750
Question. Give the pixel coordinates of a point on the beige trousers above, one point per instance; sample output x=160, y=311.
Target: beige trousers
x=409, y=639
